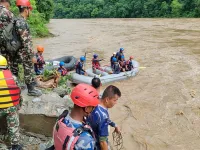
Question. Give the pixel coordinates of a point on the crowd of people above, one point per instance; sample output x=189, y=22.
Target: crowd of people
x=117, y=63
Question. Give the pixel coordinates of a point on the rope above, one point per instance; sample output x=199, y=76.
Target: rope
x=117, y=140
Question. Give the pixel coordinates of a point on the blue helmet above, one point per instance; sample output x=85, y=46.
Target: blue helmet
x=62, y=63
x=121, y=49
x=114, y=59
x=122, y=57
x=95, y=55
x=82, y=58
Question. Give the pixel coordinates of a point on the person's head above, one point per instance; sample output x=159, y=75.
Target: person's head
x=85, y=98
x=114, y=53
x=25, y=7
x=61, y=64
x=131, y=57
x=96, y=83
x=110, y=96
x=121, y=50
x=95, y=56
x=40, y=49
x=5, y=3
x=82, y=59
x=3, y=63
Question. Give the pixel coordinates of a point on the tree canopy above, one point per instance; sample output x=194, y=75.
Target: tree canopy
x=126, y=8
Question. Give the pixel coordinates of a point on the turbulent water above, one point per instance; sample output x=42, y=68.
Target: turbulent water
x=160, y=107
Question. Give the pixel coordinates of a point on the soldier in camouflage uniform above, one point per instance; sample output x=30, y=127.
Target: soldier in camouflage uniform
x=9, y=103
x=25, y=53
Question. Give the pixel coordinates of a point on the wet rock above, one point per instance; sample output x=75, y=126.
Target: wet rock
x=40, y=116
x=61, y=91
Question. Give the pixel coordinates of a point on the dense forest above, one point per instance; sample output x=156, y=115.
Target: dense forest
x=126, y=8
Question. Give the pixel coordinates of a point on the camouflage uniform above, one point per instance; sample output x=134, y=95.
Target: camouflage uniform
x=6, y=17
x=25, y=54
x=12, y=118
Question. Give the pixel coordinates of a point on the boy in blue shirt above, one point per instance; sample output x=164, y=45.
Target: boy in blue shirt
x=99, y=119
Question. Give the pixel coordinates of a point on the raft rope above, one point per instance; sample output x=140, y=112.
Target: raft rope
x=117, y=140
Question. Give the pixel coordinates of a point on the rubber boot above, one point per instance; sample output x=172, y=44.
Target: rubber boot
x=32, y=91
x=17, y=147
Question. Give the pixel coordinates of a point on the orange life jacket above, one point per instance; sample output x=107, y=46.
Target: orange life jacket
x=9, y=91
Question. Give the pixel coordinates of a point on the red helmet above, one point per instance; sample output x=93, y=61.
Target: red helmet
x=25, y=3
x=85, y=95
x=131, y=57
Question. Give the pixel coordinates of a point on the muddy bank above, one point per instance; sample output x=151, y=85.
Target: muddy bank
x=159, y=109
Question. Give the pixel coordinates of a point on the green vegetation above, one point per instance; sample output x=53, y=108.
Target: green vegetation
x=126, y=8
x=39, y=17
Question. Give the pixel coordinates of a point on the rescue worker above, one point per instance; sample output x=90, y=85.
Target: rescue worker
x=96, y=63
x=39, y=66
x=62, y=70
x=99, y=118
x=79, y=66
x=129, y=64
x=25, y=54
x=10, y=103
x=111, y=59
x=123, y=65
x=71, y=130
x=120, y=54
x=116, y=67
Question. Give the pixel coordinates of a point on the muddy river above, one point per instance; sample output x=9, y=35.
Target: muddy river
x=160, y=107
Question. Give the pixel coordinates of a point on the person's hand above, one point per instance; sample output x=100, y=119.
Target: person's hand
x=34, y=60
x=117, y=130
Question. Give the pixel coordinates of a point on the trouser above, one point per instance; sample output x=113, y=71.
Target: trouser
x=12, y=119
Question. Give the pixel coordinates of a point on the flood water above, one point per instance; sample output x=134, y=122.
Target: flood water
x=160, y=107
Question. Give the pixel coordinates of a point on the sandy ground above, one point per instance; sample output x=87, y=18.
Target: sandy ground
x=160, y=107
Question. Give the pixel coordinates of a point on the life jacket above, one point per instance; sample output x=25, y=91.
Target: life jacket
x=111, y=60
x=9, y=91
x=95, y=63
x=79, y=67
x=40, y=61
x=122, y=63
x=63, y=71
x=65, y=137
x=129, y=64
x=116, y=68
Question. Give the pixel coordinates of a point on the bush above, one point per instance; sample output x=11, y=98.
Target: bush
x=36, y=20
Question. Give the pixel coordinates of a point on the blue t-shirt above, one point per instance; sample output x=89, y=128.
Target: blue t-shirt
x=85, y=141
x=99, y=121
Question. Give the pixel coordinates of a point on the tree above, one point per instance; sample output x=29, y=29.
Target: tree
x=46, y=7
x=176, y=8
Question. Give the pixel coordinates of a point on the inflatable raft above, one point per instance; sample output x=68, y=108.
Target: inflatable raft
x=70, y=62
x=104, y=76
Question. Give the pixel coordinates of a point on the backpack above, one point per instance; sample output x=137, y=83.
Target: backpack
x=9, y=37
